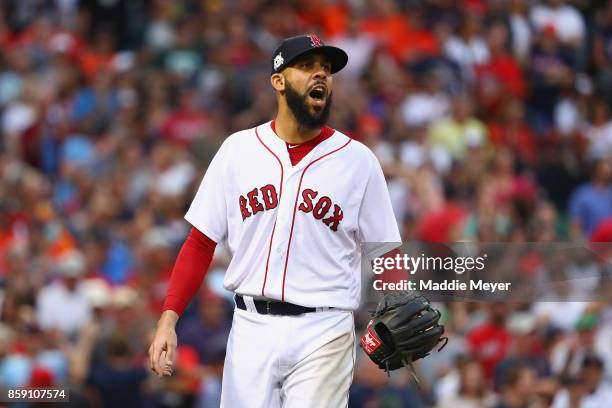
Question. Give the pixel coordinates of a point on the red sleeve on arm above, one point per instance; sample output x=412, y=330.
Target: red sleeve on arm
x=189, y=269
x=395, y=274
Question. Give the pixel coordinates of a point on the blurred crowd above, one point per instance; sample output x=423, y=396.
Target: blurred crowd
x=491, y=118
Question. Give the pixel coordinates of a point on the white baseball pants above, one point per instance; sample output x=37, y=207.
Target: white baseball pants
x=289, y=361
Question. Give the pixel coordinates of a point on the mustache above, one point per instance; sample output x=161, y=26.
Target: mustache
x=317, y=83
x=297, y=103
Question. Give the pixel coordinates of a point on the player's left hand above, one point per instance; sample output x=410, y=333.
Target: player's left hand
x=404, y=328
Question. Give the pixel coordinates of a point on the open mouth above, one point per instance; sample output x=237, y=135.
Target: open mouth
x=317, y=93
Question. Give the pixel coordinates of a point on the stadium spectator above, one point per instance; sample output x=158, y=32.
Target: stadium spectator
x=564, y=18
x=591, y=203
x=62, y=305
x=598, y=131
x=473, y=391
x=460, y=132
x=518, y=388
x=602, y=52
x=207, y=332
x=500, y=77
x=427, y=104
x=468, y=49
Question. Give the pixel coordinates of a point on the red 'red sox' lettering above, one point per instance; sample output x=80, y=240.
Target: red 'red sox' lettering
x=307, y=195
x=265, y=198
x=321, y=208
x=269, y=201
x=243, y=208
x=253, y=197
x=333, y=221
x=269, y=196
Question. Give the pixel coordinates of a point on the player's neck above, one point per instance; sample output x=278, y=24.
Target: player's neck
x=288, y=129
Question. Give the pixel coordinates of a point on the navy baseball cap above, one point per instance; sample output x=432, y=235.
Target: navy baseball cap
x=294, y=47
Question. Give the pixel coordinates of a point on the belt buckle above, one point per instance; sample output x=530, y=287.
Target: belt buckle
x=268, y=306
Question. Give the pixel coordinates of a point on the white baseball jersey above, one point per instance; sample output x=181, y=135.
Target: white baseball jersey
x=295, y=232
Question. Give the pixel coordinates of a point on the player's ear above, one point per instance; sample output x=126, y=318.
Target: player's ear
x=278, y=82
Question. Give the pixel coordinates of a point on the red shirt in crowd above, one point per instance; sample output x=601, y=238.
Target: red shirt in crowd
x=519, y=139
x=183, y=127
x=497, y=79
x=490, y=344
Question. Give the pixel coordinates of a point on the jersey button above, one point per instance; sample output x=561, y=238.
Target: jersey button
x=279, y=250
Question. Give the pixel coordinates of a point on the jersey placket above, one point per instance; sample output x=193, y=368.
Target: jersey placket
x=273, y=287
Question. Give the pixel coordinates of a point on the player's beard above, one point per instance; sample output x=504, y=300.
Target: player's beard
x=298, y=104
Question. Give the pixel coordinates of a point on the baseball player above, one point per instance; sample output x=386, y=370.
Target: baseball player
x=295, y=200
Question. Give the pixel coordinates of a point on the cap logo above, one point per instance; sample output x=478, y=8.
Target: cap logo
x=315, y=41
x=278, y=61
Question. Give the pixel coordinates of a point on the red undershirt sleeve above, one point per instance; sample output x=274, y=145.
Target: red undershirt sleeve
x=395, y=274
x=189, y=270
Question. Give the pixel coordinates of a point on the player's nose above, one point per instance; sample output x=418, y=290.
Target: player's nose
x=320, y=71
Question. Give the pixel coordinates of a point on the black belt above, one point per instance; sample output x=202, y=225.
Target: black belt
x=273, y=307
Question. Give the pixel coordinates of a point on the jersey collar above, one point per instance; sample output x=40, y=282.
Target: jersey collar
x=279, y=146
x=325, y=133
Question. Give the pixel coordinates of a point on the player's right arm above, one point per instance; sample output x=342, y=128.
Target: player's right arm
x=208, y=216
x=189, y=270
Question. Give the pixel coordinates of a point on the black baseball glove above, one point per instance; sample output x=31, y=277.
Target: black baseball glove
x=403, y=329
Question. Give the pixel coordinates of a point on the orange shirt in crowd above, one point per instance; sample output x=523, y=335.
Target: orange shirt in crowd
x=402, y=42
x=332, y=18
x=91, y=62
